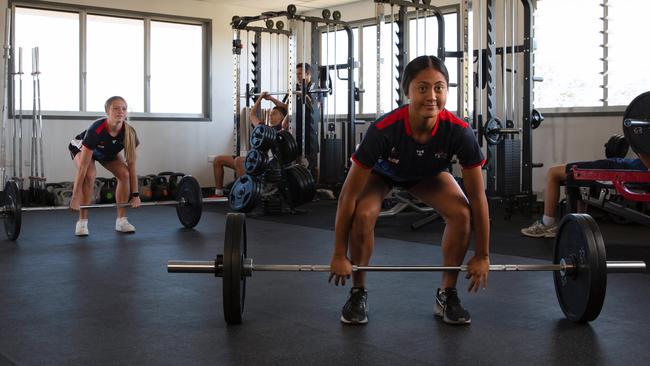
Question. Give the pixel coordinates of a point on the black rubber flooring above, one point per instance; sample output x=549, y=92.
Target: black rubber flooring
x=107, y=299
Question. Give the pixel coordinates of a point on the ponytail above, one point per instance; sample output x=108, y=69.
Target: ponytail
x=130, y=139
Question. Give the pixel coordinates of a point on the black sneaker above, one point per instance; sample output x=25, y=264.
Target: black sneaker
x=448, y=307
x=355, y=310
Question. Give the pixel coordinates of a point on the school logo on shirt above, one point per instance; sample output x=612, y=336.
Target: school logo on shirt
x=393, y=157
x=419, y=152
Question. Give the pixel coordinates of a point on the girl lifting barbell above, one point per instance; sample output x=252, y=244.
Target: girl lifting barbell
x=104, y=141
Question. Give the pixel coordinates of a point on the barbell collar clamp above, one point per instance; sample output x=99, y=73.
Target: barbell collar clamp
x=636, y=123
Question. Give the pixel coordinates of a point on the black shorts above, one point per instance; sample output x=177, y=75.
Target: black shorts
x=401, y=184
x=75, y=150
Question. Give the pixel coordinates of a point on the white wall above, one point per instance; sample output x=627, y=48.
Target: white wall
x=176, y=146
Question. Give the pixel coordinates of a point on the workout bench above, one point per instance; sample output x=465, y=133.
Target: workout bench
x=613, y=188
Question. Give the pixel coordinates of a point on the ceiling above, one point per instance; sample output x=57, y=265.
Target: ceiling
x=278, y=5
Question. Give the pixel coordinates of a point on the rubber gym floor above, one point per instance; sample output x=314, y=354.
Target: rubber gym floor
x=107, y=299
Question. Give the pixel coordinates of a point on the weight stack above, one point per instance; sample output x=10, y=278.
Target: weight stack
x=331, y=156
x=509, y=167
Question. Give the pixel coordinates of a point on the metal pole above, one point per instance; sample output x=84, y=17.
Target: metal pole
x=334, y=95
x=417, y=31
x=513, y=66
x=181, y=201
x=303, y=88
x=504, y=62
x=392, y=57
x=5, y=102
x=236, y=54
x=41, y=182
x=479, y=70
x=176, y=266
x=20, y=116
x=380, y=22
x=34, y=152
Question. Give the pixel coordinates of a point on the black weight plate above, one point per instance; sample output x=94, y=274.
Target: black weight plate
x=255, y=162
x=638, y=136
x=301, y=186
x=13, y=210
x=234, y=280
x=189, y=212
x=492, y=136
x=536, y=119
x=581, y=293
x=308, y=186
x=287, y=147
x=273, y=172
x=245, y=194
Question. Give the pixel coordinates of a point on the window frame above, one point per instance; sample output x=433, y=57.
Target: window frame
x=147, y=18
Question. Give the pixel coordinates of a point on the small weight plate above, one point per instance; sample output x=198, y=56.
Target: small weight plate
x=189, y=211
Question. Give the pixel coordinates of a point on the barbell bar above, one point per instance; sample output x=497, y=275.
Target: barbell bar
x=285, y=92
x=248, y=266
x=189, y=205
x=579, y=268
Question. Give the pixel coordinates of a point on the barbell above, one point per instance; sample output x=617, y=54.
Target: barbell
x=579, y=265
x=189, y=205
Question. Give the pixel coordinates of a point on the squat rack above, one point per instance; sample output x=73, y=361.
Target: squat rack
x=238, y=25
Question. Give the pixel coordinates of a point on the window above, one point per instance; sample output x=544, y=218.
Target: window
x=334, y=51
x=90, y=54
x=578, y=68
x=629, y=70
x=58, y=58
x=418, y=45
x=114, y=61
x=181, y=70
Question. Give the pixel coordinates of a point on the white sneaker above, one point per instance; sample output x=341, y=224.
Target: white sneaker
x=123, y=226
x=81, y=229
x=539, y=230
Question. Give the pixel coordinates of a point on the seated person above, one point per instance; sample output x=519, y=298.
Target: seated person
x=278, y=120
x=547, y=226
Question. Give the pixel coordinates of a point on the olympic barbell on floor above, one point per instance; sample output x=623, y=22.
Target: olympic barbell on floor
x=579, y=265
x=189, y=205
